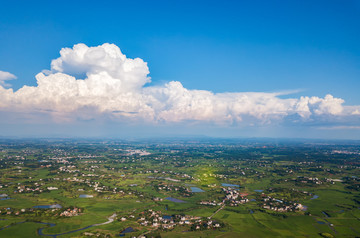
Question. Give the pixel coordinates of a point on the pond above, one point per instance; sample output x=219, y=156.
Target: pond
x=315, y=197
x=259, y=190
x=167, y=217
x=326, y=214
x=230, y=185
x=6, y=198
x=85, y=196
x=127, y=230
x=173, y=180
x=174, y=200
x=48, y=206
x=196, y=190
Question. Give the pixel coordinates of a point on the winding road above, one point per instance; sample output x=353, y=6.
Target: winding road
x=41, y=233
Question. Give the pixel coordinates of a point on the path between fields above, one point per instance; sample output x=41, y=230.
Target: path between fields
x=217, y=211
x=143, y=234
x=40, y=231
x=110, y=219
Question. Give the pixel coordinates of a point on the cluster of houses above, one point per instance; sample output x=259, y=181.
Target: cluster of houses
x=11, y=211
x=278, y=205
x=182, y=175
x=170, y=187
x=91, y=161
x=157, y=220
x=157, y=199
x=346, y=152
x=52, y=210
x=332, y=181
x=93, y=168
x=211, y=203
x=308, y=180
x=139, y=152
x=69, y=169
x=206, y=224
x=70, y=212
x=233, y=197
x=40, y=186
x=36, y=188
x=98, y=188
x=62, y=160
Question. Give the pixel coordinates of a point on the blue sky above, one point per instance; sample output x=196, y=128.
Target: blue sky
x=309, y=47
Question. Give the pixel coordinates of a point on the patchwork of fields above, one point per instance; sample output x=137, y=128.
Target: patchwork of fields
x=176, y=188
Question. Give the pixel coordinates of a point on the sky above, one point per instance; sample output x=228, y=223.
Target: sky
x=180, y=68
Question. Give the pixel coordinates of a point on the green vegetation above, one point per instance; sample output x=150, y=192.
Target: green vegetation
x=174, y=188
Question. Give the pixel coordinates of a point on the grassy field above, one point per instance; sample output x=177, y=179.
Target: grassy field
x=132, y=185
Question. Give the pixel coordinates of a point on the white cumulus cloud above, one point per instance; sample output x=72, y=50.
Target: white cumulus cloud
x=88, y=82
x=4, y=76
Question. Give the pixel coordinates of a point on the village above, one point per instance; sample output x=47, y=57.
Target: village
x=157, y=220
x=195, y=190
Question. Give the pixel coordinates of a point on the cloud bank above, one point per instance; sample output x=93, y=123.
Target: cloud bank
x=86, y=83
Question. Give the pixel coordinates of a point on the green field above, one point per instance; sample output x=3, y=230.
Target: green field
x=270, y=183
